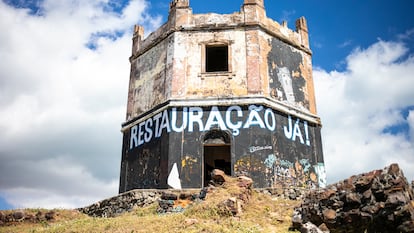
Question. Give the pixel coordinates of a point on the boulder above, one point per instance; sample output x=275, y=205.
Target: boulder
x=18, y=216
x=50, y=215
x=310, y=228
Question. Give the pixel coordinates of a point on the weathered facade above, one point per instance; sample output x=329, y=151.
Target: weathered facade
x=232, y=91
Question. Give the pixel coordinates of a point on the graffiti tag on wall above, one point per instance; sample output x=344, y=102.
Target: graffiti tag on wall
x=298, y=173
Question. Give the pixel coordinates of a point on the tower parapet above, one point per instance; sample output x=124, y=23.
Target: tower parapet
x=254, y=11
x=230, y=91
x=302, y=29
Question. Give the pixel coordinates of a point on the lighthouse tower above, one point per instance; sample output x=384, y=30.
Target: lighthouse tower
x=227, y=91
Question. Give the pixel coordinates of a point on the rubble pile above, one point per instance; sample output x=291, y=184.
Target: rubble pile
x=378, y=201
x=237, y=194
x=172, y=201
x=239, y=188
x=18, y=216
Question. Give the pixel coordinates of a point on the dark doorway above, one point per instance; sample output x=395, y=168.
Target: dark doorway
x=217, y=154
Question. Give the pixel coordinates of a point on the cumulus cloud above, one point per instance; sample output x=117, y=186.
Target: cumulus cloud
x=63, y=85
x=410, y=120
x=363, y=111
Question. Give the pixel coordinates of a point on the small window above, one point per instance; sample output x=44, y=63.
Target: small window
x=217, y=58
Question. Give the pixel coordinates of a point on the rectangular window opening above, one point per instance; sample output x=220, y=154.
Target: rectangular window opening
x=217, y=57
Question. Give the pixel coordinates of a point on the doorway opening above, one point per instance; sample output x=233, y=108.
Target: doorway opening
x=217, y=154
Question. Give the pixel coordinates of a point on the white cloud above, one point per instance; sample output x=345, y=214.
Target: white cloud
x=345, y=44
x=62, y=103
x=357, y=107
x=54, y=183
x=286, y=15
x=410, y=120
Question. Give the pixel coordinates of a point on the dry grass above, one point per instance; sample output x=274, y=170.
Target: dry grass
x=262, y=214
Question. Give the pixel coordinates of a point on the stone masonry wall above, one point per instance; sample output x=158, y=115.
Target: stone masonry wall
x=122, y=203
x=378, y=201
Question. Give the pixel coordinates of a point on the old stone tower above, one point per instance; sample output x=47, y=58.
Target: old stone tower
x=232, y=91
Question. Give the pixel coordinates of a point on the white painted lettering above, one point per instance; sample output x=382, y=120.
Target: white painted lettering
x=133, y=142
x=234, y=126
x=235, y=118
x=157, y=124
x=148, y=130
x=306, y=133
x=141, y=133
x=194, y=116
x=288, y=132
x=297, y=132
x=165, y=123
x=214, y=118
x=254, y=117
x=271, y=125
x=174, y=120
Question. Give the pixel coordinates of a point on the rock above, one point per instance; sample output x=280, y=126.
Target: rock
x=324, y=228
x=203, y=194
x=18, y=216
x=39, y=216
x=377, y=201
x=233, y=205
x=165, y=206
x=50, y=215
x=30, y=218
x=297, y=218
x=218, y=176
x=185, y=195
x=292, y=194
x=244, y=182
x=9, y=218
x=329, y=215
x=169, y=196
x=326, y=194
x=310, y=228
x=2, y=216
x=190, y=221
x=353, y=199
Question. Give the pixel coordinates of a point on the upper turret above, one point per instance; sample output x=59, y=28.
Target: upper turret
x=238, y=55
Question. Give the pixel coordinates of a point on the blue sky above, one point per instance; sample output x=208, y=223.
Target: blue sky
x=64, y=77
x=4, y=205
x=336, y=27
